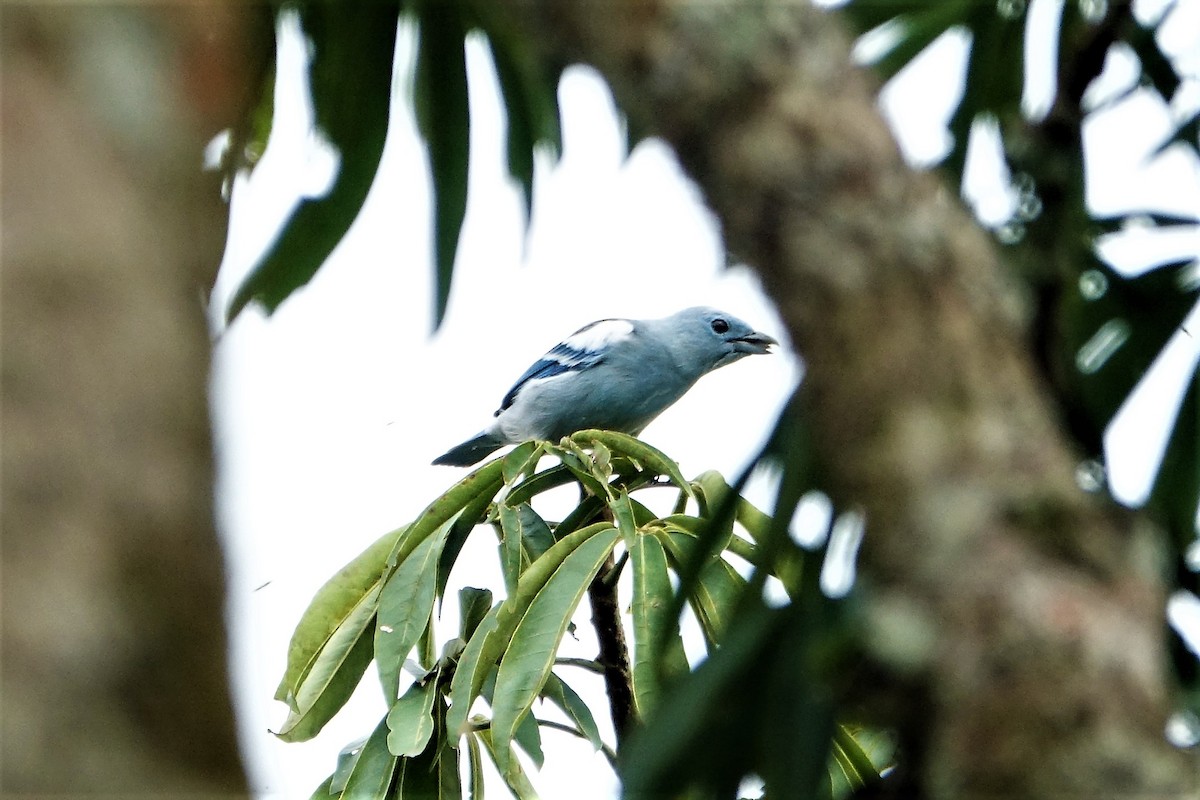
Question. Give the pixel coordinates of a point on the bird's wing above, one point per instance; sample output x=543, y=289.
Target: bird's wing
x=584, y=348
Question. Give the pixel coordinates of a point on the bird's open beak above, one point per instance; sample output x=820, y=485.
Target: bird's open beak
x=754, y=343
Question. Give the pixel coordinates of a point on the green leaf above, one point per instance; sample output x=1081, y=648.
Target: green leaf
x=562, y=695
x=433, y=774
x=514, y=777
x=372, y=774
x=335, y=603
x=544, y=481
x=351, y=45
x=473, y=606
x=530, y=102
x=523, y=457
x=410, y=719
x=536, y=536
x=335, y=672
x=529, y=738
x=472, y=514
x=475, y=769
x=444, y=119
x=622, y=511
x=492, y=636
x=324, y=792
x=345, y=764
x=510, y=547
x=405, y=610
x=463, y=496
x=716, y=591
x=692, y=738
x=622, y=444
x=529, y=656
x=652, y=624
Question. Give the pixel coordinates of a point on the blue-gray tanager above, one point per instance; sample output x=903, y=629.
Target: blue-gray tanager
x=615, y=374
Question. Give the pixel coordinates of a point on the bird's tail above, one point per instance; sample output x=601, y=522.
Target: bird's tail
x=470, y=451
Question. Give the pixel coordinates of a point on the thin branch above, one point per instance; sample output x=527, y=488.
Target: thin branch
x=590, y=664
x=609, y=753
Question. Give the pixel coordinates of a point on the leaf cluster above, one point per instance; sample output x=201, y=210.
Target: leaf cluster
x=505, y=654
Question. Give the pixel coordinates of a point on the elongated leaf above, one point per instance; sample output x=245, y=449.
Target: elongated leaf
x=522, y=458
x=345, y=764
x=433, y=774
x=544, y=481
x=716, y=591
x=510, y=546
x=410, y=719
x=473, y=606
x=472, y=514
x=557, y=691
x=529, y=738
x=475, y=769
x=351, y=45
x=622, y=511
x=530, y=653
x=333, y=605
x=692, y=737
x=652, y=625
x=492, y=636
x=631, y=447
x=372, y=774
x=514, y=777
x=324, y=792
x=466, y=494
x=443, y=117
x=335, y=672
x=536, y=536
x=405, y=609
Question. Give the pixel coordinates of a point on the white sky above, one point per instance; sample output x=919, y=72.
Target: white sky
x=328, y=414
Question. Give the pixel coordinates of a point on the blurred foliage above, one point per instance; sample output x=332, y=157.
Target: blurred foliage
x=351, y=82
x=775, y=719
x=1097, y=330
x=743, y=711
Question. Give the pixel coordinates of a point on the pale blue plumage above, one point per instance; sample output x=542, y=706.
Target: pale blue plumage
x=614, y=374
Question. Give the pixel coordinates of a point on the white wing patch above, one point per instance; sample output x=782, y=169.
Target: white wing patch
x=598, y=335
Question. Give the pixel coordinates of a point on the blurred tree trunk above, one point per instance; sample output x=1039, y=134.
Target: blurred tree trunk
x=1016, y=637
x=114, y=659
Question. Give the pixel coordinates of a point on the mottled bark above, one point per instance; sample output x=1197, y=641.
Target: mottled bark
x=113, y=656
x=1017, y=623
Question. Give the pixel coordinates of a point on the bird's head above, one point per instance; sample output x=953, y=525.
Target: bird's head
x=706, y=338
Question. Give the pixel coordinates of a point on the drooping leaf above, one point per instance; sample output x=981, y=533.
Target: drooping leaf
x=333, y=673
x=444, y=119
x=475, y=790
x=650, y=458
x=652, y=626
x=527, y=660
x=410, y=719
x=405, y=610
x=570, y=703
x=373, y=771
x=473, y=606
x=432, y=774
x=492, y=636
x=464, y=495
x=471, y=515
x=514, y=777
x=332, y=606
x=524, y=457
x=345, y=763
x=351, y=45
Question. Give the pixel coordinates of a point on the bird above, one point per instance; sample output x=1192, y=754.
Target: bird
x=613, y=374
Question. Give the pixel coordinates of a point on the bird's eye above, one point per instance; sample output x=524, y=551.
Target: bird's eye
x=719, y=325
